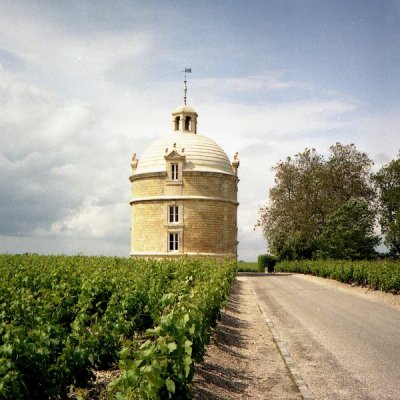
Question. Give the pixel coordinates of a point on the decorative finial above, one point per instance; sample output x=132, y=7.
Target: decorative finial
x=134, y=162
x=236, y=162
x=186, y=71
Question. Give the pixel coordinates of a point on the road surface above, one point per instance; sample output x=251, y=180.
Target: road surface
x=346, y=346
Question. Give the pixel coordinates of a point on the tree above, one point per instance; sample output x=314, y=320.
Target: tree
x=349, y=233
x=348, y=174
x=290, y=222
x=387, y=182
x=308, y=188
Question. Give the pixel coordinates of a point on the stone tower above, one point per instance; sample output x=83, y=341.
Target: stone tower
x=184, y=195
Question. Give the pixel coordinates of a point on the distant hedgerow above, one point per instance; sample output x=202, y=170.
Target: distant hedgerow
x=382, y=275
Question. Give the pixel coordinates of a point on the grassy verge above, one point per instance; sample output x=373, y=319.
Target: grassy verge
x=382, y=275
x=244, y=266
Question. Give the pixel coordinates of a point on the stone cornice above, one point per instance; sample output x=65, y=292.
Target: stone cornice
x=208, y=173
x=161, y=174
x=170, y=198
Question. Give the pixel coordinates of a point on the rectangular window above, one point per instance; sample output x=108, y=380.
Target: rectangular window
x=173, y=214
x=174, y=172
x=173, y=241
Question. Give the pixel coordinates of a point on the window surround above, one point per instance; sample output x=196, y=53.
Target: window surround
x=174, y=171
x=174, y=162
x=173, y=214
x=176, y=225
x=173, y=242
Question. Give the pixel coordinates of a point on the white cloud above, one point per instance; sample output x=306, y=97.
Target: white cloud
x=78, y=104
x=92, y=220
x=380, y=135
x=237, y=126
x=271, y=81
x=66, y=162
x=77, y=63
x=54, y=158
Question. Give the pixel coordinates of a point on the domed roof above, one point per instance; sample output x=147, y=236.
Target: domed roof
x=184, y=109
x=201, y=154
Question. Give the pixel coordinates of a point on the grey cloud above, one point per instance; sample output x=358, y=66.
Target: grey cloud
x=32, y=196
x=251, y=244
x=257, y=149
x=381, y=158
x=64, y=169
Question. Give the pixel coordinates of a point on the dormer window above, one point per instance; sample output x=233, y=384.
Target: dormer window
x=188, y=123
x=174, y=171
x=177, y=120
x=174, y=165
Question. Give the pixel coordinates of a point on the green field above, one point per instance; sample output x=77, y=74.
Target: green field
x=62, y=317
x=244, y=266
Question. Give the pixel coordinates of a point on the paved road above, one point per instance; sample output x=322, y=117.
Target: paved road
x=346, y=346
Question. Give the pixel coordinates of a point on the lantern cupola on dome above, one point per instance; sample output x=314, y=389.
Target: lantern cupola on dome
x=184, y=119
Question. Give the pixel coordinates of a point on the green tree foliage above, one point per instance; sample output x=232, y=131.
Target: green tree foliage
x=308, y=189
x=387, y=182
x=348, y=175
x=349, y=233
x=290, y=221
x=266, y=261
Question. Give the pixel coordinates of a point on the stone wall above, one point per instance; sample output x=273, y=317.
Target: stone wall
x=210, y=227
x=210, y=185
x=208, y=214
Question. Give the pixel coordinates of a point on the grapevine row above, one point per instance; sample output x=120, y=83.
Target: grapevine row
x=382, y=275
x=63, y=317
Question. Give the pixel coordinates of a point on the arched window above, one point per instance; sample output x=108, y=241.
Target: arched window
x=188, y=121
x=177, y=119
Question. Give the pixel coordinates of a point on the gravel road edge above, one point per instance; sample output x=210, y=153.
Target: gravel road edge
x=287, y=358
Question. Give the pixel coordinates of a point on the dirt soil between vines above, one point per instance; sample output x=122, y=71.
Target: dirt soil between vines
x=243, y=362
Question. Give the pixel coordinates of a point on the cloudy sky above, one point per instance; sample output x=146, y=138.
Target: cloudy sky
x=84, y=84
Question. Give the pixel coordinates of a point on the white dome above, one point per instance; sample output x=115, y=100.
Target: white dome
x=201, y=154
x=184, y=109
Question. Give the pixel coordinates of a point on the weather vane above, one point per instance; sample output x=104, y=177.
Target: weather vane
x=186, y=71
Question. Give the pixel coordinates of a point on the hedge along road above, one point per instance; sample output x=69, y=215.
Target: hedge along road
x=346, y=346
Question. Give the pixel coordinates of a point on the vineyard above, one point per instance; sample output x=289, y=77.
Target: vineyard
x=61, y=318
x=382, y=275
